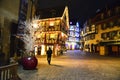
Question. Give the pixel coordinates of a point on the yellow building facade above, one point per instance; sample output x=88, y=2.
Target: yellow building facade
x=52, y=33
x=101, y=34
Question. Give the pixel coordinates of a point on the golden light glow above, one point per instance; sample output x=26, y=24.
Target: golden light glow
x=51, y=31
x=51, y=23
x=43, y=52
x=62, y=34
x=71, y=44
x=34, y=24
x=36, y=50
x=52, y=36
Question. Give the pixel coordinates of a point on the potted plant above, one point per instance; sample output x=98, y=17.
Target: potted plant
x=29, y=61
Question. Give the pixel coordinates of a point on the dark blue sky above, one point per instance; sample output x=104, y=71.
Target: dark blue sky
x=79, y=9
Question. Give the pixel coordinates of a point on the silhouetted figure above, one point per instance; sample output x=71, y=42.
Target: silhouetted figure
x=49, y=52
x=39, y=51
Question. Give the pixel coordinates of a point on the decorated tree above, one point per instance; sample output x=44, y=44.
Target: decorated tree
x=28, y=36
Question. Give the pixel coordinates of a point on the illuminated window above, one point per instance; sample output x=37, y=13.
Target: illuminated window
x=76, y=34
x=87, y=29
x=57, y=22
x=47, y=36
x=93, y=28
x=72, y=33
x=77, y=29
x=77, y=24
x=51, y=23
x=70, y=22
x=71, y=39
x=47, y=23
x=77, y=40
x=53, y=36
x=71, y=27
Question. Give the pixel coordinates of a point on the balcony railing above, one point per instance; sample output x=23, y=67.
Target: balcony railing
x=9, y=72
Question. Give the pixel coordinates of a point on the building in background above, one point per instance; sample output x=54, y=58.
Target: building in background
x=73, y=41
x=11, y=14
x=55, y=24
x=101, y=34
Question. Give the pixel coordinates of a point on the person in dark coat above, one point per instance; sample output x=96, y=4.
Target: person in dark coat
x=49, y=53
x=39, y=51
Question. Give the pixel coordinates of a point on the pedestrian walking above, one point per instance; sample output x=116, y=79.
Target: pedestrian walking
x=39, y=51
x=49, y=53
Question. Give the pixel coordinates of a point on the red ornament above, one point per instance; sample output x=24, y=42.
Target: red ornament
x=29, y=63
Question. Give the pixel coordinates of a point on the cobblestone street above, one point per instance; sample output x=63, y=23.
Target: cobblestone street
x=74, y=65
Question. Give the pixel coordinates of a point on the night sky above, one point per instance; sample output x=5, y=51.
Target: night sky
x=79, y=9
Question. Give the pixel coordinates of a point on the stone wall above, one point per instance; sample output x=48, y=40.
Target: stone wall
x=9, y=11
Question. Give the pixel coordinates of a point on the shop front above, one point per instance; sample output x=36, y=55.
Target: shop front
x=110, y=48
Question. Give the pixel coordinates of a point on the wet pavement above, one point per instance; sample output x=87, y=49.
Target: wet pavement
x=74, y=65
